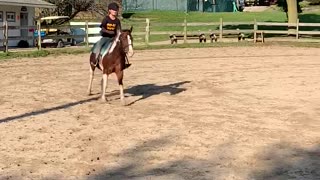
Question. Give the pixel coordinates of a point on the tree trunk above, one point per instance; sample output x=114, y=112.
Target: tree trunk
x=292, y=15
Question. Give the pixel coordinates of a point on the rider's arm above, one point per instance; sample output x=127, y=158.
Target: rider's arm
x=118, y=26
x=103, y=25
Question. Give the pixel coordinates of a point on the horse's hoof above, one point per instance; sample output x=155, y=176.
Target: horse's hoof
x=103, y=99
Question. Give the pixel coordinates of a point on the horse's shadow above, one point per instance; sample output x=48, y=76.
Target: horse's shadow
x=148, y=90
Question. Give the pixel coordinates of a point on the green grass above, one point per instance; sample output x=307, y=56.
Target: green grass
x=177, y=17
x=26, y=54
x=42, y=53
x=137, y=19
x=85, y=50
x=231, y=44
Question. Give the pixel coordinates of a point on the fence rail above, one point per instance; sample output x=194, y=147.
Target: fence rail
x=222, y=30
x=148, y=29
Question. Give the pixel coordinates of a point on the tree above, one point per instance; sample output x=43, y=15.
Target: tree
x=72, y=8
x=284, y=5
x=69, y=8
x=292, y=14
x=102, y=4
x=314, y=2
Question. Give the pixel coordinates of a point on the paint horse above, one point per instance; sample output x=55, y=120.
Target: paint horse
x=113, y=61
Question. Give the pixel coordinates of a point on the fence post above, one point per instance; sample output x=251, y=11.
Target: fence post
x=39, y=34
x=185, y=30
x=297, y=30
x=147, y=31
x=255, y=28
x=5, y=36
x=221, y=29
x=87, y=34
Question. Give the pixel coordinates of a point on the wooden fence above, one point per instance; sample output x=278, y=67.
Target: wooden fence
x=5, y=29
x=222, y=31
x=219, y=28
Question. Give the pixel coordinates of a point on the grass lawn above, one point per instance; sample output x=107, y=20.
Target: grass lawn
x=86, y=50
x=137, y=20
x=176, y=16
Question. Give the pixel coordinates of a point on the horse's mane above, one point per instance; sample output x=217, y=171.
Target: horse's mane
x=117, y=41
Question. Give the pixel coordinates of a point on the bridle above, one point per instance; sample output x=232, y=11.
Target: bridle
x=128, y=45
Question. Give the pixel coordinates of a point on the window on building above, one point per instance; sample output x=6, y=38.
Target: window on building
x=11, y=16
x=1, y=16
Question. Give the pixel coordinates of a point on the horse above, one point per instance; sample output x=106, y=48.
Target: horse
x=113, y=61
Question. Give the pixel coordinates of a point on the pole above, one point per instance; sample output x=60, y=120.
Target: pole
x=147, y=31
x=221, y=29
x=39, y=34
x=297, y=30
x=5, y=36
x=185, y=30
x=255, y=28
x=87, y=34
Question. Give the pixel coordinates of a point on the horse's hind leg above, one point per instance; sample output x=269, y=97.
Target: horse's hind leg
x=92, y=68
x=120, y=78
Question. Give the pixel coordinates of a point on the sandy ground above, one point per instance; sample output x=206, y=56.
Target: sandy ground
x=215, y=113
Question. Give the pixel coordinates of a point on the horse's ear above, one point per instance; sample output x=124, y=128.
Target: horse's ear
x=131, y=28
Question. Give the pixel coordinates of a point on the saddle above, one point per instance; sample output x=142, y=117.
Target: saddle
x=103, y=51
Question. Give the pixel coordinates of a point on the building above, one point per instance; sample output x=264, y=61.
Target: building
x=179, y=5
x=260, y=2
x=20, y=13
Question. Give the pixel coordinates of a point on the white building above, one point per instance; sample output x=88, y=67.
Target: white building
x=20, y=13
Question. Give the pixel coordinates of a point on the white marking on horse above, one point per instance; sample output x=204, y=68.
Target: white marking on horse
x=104, y=84
x=130, y=53
x=114, y=44
x=101, y=64
x=122, y=95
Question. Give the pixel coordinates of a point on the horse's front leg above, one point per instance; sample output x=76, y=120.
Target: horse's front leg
x=120, y=78
x=122, y=94
x=104, y=83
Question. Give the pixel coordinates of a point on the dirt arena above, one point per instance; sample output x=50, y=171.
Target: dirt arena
x=210, y=113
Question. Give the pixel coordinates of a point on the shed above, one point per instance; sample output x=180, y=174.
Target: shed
x=179, y=5
x=20, y=13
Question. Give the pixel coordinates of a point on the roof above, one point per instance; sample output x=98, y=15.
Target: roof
x=29, y=3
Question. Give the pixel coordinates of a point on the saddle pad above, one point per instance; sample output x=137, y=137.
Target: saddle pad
x=105, y=43
x=105, y=48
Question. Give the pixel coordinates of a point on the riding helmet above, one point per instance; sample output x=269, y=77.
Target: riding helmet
x=113, y=6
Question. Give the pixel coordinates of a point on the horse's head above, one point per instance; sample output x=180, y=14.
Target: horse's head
x=127, y=41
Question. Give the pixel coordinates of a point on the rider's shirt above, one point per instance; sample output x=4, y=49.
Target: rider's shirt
x=110, y=27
